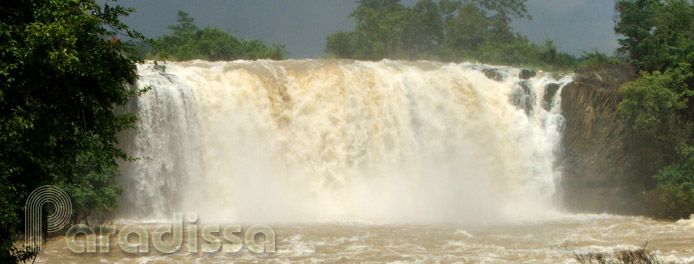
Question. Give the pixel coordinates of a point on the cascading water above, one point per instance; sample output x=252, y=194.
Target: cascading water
x=325, y=140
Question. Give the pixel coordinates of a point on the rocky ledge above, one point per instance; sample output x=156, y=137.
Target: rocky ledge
x=606, y=168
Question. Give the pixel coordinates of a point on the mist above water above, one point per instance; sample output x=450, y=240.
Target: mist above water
x=324, y=140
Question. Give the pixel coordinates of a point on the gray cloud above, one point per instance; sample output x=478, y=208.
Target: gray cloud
x=574, y=25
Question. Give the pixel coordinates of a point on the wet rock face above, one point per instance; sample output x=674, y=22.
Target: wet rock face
x=527, y=74
x=494, y=74
x=522, y=96
x=550, y=92
x=605, y=166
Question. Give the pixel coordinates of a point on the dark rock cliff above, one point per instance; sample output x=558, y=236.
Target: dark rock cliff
x=606, y=167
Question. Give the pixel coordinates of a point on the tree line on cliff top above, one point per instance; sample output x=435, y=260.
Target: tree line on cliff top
x=188, y=42
x=448, y=30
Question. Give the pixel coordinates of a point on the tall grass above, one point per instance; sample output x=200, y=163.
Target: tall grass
x=640, y=255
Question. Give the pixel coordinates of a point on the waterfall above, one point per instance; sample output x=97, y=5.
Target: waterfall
x=339, y=140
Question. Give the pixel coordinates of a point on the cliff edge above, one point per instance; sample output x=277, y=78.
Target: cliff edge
x=605, y=166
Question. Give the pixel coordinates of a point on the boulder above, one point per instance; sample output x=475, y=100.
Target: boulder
x=527, y=74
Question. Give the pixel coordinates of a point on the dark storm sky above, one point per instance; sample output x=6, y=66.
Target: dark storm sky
x=574, y=25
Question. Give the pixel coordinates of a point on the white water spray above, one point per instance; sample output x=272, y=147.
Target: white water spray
x=322, y=140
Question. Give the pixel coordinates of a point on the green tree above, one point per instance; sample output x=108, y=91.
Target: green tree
x=387, y=29
x=657, y=104
x=465, y=32
x=657, y=39
x=451, y=30
x=255, y=49
x=341, y=45
x=188, y=42
x=379, y=28
x=673, y=196
x=595, y=58
x=63, y=68
x=504, y=11
x=185, y=26
x=656, y=34
x=423, y=31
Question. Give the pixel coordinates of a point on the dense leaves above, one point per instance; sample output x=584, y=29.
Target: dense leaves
x=450, y=30
x=188, y=42
x=673, y=196
x=656, y=34
x=63, y=68
x=657, y=38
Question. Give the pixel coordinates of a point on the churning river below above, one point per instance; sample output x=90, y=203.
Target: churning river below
x=543, y=242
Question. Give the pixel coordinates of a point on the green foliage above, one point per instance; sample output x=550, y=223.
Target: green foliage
x=654, y=103
x=595, y=59
x=657, y=39
x=188, y=42
x=379, y=28
x=423, y=31
x=673, y=196
x=452, y=30
x=62, y=70
x=521, y=52
x=656, y=33
x=341, y=44
x=659, y=105
x=503, y=12
x=466, y=31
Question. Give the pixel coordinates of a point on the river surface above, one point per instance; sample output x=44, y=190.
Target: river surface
x=542, y=242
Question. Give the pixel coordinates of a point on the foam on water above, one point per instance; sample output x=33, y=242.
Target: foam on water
x=546, y=242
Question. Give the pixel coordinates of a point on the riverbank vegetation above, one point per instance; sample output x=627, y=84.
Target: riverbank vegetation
x=63, y=68
x=641, y=255
x=658, y=40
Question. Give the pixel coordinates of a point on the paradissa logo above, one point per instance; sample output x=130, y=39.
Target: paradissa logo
x=232, y=244
x=33, y=214
x=63, y=208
